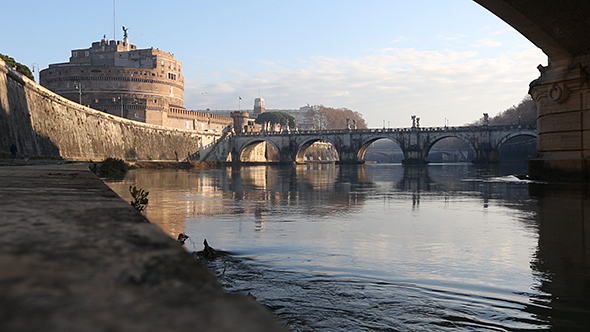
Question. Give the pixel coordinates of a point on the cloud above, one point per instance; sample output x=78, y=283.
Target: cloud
x=452, y=38
x=389, y=84
x=487, y=42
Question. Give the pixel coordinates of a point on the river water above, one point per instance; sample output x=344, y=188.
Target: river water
x=383, y=247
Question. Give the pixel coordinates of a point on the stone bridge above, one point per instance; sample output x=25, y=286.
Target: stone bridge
x=352, y=145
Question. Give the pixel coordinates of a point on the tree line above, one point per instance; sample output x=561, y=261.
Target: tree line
x=23, y=69
x=525, y=114
x=336, y=118
x=323, y=118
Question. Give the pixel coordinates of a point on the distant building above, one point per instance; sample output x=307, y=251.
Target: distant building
x=115, y=77
x=303, y=115
x=243, y=123
x=259, y=106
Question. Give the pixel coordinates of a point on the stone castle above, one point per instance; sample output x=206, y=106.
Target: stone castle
x=144, y=85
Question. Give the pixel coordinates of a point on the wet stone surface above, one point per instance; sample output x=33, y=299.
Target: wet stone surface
x=76, y=257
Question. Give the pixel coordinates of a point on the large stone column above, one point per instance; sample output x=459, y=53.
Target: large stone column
x=560, y=29
x=561, y=95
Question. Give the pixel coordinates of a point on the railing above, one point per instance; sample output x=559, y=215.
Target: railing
x=386, y=130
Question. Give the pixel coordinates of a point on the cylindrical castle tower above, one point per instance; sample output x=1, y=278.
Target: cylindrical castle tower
x=117, y=78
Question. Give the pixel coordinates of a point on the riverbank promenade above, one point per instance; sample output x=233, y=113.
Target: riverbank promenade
x=74, y=256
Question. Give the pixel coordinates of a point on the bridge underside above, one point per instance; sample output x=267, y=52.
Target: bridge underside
x=562, y=92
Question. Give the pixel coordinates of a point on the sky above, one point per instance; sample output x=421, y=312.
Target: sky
x=443, y=61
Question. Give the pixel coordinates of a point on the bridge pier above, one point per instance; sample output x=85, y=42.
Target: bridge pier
x=485, y=153
x=414, y=155
x=415, y=146
x=562, y=92
x=562, y=97
x=348, y=155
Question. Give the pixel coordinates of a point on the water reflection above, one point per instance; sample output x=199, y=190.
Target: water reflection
x=175, y=195
x=486, y=250
x=562, y=259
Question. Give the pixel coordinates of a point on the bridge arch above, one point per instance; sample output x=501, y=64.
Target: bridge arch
x=365, y=145
x=304, y=146
x=510, y=136
x=557, y=29
x=462, y=138
x=257, y=150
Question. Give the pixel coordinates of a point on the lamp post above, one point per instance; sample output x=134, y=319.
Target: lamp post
x=35, y=65
x=79, y=88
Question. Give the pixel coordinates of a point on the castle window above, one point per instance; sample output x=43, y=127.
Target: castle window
x=155, y=101
x=86, y=53
x=162, y=63
x=75, y=54
x=171, y=76
x=135, y=115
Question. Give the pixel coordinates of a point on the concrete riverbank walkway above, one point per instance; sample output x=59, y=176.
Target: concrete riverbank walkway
x=76, y=257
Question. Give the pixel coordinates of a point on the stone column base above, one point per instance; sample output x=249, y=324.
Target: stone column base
x=575, y=170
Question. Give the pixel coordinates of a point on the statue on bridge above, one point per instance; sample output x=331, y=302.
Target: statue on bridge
x=415, y=122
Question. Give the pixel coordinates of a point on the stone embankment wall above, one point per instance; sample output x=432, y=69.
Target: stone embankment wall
x=42, y=123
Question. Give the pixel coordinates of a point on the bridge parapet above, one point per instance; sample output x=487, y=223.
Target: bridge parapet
x=388, y=130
